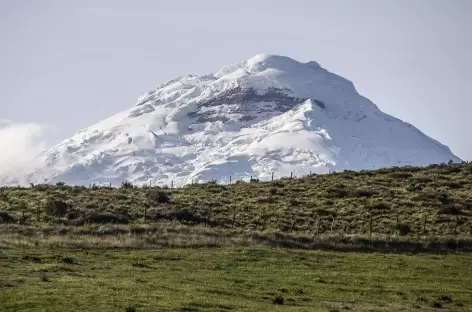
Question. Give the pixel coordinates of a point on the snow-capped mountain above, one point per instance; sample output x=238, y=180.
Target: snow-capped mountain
x=267, y=114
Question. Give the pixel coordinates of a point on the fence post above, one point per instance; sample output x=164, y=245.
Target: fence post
x=110, y=184
x=455, y=226
x=293, y=225
x=396, y=226
x=229, y=179
x=370, y=225
x=172, y=184
x=291, y=174
x=272, y=176
x=424, y=226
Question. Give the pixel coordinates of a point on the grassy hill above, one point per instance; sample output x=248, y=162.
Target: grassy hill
x=408, y=204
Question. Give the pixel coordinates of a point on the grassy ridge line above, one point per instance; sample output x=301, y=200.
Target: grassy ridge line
x=433, y=201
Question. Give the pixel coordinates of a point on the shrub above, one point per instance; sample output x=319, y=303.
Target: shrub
x=56, y=208
x=31, y=258
x=451, y=209
x=130, y=309
x=279, y=299
x=5, y=217
x=72, y=214
x=403, y=229
x=273, y=191
x=127, y=185
x=445, y=298
x=67, y=260
x=159, y=197
x=186, y=215
x=60, y=184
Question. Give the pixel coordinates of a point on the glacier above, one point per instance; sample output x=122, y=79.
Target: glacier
x=267, y=115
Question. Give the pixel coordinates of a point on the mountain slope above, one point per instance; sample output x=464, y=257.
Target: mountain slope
x=269, y=113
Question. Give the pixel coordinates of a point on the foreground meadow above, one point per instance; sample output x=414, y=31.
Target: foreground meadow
x=255, y=278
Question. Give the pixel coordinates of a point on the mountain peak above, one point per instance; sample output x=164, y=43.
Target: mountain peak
x=267, y=114
x=263, y=61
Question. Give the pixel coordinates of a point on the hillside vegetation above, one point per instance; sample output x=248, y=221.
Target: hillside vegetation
x=401, y=204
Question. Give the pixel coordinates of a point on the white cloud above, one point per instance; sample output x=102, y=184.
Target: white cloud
x=20, y=145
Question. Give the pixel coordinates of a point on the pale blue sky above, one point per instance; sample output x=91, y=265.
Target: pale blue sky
x=69, y=64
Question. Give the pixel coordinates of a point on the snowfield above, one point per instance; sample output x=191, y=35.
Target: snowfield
x=267, y=114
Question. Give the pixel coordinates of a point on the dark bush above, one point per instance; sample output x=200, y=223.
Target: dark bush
x=186, y=215
x=451, y=209
x=60, y=184
x=67, y=260
x=130, y=309
x=162, y=197
x=273, y=191
x=6, y=218
x=56, y=208
x=127, y=185
x=445, y=298
x=453, y=185
x=31, y=258
x=403, y=229
x=279, y=299
x=73, y=214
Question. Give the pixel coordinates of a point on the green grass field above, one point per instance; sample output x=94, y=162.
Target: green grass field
x=231, y=279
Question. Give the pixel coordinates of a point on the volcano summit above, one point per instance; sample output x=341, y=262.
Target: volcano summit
x=267, y=114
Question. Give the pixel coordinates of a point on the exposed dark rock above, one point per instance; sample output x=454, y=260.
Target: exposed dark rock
x=246, y=101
